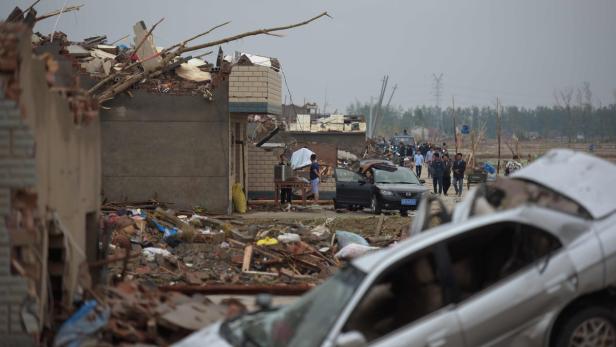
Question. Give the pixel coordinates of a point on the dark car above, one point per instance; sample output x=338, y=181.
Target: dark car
x=379, y=186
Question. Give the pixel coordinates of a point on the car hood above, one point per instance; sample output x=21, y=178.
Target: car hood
x=208, y=336
x=416, y=188
x=582, y=177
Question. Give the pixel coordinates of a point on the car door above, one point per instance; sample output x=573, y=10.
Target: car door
x=509, y=277
x=347, y=186
x=409, y=304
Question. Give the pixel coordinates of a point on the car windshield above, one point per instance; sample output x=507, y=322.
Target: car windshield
x=303, y=323
x=400, y=175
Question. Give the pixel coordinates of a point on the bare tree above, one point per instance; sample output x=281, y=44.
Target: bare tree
x=584, y=100
x=563, y=101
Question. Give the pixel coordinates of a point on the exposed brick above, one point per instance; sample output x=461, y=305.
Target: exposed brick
x=10, y=118
x=7, y=104
x=17, y=340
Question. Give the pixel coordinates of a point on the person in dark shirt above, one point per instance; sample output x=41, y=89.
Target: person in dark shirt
x=458, y=168
x=315, y=176
x=446, y=173
x=438, y=169
x=402, y=153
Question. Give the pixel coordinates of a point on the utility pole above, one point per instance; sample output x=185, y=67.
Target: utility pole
x=325, y=102
x=438, y=90
x=498, y=134
x=453, y=116
x=379, y=107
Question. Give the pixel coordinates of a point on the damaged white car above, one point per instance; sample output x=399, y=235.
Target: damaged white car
x=525, y=261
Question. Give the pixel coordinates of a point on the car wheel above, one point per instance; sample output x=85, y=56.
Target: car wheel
x=404, y=213
x=592, y=326
x=375, y=205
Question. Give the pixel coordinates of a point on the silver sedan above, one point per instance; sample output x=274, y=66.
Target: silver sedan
x=525, y=261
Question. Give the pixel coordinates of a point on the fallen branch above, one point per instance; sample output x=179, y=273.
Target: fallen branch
x=118, y=40
x=123, y=85
x=196, y=36
x=250, y=33
x=58, y=12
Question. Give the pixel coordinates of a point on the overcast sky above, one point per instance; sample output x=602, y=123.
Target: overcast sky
x=520, y=50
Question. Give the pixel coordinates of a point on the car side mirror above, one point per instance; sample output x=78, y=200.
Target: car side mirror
x=422, y=181
x=351, y=339
x=361, y=181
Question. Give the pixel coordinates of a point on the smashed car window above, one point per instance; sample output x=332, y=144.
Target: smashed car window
x=401, y=176
x=485, y=256
x=303, y=323
x=407, y=292
x=511, y=193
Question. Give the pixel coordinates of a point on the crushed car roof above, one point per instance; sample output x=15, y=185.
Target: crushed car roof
x=584, y=178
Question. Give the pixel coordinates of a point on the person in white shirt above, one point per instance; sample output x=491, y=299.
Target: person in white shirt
x=419, y=159
x=429, y=156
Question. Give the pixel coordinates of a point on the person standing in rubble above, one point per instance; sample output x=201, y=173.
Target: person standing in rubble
x=458, y=167
x=438, y=170
x=419, y=159
x=315, y=176
x=446, y=173
x=513, y=165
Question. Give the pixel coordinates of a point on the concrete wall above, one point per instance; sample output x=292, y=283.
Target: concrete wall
x=255, y=89
x=174, y=148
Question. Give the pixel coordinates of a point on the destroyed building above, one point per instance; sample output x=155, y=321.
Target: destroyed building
x=169, y=141
x=326, y=135
x=49, y=184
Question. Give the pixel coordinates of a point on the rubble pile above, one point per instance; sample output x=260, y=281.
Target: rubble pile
x=166, y=247
x=129, y=314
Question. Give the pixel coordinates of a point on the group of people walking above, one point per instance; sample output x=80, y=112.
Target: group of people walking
x=440, y=167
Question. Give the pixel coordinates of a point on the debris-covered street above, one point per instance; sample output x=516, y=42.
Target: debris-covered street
x=162, y=182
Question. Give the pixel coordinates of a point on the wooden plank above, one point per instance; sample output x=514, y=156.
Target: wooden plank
x=247, y=258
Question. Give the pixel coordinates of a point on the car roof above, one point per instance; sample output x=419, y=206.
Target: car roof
x=583, y=178
x=567, y=228
x=366, y=165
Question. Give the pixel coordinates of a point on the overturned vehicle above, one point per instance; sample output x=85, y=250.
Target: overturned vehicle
x=526, y=261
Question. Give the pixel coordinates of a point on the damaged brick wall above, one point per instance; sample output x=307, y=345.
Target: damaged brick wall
x=49, y=187
x=255, y=89
x=261, y=174
x=17, y=171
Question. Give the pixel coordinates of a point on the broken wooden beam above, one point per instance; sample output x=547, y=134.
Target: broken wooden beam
x=247, y=258
x=239, y=289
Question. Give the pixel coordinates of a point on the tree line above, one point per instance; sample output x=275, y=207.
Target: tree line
x=566, y=119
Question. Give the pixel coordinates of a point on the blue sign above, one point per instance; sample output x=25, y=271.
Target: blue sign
x=465, y=129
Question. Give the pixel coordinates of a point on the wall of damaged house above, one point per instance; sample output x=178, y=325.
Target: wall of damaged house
x=238, y=162
x=49, y=192
x=255, y=89
x=173, y=148
x=354, y=142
